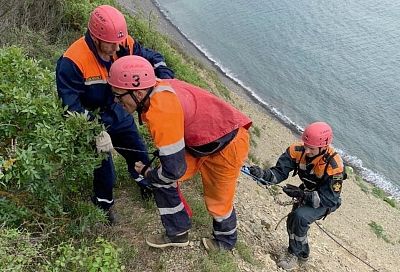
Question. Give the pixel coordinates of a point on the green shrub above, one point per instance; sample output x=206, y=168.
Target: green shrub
x=102, y=256
x=11, y=214
x=18, y=251
x=391, y=201
x=378, y=192
x=245, y=252
x=43, y=153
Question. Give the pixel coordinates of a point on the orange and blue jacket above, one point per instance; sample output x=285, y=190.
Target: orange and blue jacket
x=81, y=78
x=323, y=173
x=182, y=115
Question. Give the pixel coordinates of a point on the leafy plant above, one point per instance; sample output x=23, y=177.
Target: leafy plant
x=256, y=131
x=18, y=252
x=360, y=182
x=43, y=152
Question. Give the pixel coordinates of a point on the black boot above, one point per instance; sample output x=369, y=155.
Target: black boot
x=111, y=218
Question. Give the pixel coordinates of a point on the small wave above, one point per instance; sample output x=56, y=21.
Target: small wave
x=367, y=174
x=370, y=176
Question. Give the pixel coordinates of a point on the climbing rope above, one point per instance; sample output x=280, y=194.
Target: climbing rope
x=133, y=150
x=342, y=246
x=155, y=153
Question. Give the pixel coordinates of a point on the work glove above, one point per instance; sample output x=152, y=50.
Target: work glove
x=266, y=177
x=293, y=191
x=256, y=171
x=103, y=142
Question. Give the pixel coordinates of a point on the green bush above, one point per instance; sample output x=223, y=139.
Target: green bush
x=102, y=256
x=18, y=251
x=43, y=153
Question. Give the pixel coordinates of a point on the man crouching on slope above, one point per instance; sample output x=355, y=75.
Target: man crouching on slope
x=321, y=171
x=195, y=132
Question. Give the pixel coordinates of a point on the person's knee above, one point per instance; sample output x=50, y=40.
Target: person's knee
x=299, y=218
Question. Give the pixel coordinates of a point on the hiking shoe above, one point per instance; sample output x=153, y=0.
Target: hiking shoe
x=111, y=218
x=162, y=240
x=212, y=244
x=289, y=262
x=302, y=259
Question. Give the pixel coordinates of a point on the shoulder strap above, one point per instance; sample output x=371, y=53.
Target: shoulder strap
x=296, y=170
x=328, y=161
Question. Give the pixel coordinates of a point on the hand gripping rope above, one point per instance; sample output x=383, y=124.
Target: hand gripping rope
x=155, y=153
x=260, y=181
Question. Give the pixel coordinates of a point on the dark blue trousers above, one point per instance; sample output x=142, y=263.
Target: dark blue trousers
x=126, y=135
x=298, y=224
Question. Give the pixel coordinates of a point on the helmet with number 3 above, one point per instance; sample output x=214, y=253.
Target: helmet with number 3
x=132, y=73
x=318, y=134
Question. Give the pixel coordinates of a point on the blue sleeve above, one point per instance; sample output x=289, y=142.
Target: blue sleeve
x=156, y=59
x=70, y=85
x=329, y=191
x=283, y=167
x=172, y=168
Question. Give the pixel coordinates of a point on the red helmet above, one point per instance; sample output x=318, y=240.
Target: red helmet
x=108, y=24
x=318, y=134
x=132, y=73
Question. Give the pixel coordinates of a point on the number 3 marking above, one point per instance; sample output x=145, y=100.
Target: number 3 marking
x=136, y=80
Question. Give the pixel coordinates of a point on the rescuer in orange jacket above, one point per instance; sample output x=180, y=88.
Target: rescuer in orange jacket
x=195, y=132
x=81, y=77
x=321, y=171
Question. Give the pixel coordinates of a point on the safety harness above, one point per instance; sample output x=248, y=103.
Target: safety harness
x=328, y=160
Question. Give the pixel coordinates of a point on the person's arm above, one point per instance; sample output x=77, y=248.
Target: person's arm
x=70, y=85
x=283, y=167
x=277, y=173
x=156, y=59
x=329, y=191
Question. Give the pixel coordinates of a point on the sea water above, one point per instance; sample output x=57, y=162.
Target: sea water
x=305, y=60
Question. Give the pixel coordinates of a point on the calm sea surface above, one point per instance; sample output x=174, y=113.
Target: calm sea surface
x=337, y=61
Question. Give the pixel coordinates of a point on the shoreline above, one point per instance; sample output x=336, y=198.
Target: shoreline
x=164, y=25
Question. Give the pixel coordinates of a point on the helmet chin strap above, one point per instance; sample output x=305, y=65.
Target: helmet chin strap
x=140, y=104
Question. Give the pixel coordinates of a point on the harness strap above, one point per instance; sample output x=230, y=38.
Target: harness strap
x=328, y=161
x=296, y=170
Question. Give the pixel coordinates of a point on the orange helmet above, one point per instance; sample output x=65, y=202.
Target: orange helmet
x=318, y=134
x=108, y=24
x=132, y=73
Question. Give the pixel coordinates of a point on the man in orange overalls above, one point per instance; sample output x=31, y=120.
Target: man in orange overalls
x=195, y=132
